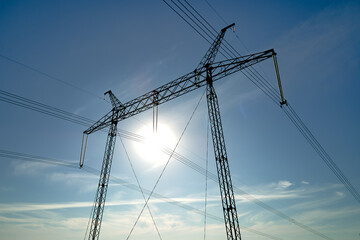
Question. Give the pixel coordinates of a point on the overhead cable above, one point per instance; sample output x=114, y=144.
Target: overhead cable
x=168, y=151
x=132, y=186
x=50, y=76
x=269, y=90
x=166, y=164
x=141, y=189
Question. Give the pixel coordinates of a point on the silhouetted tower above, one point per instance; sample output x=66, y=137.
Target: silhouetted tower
x=206, y=73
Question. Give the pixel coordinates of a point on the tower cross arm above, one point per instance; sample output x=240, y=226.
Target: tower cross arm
x=224, y=68
x=179, y=87
x=102, y=123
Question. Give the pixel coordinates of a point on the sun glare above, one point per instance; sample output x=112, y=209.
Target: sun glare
x=152, y=149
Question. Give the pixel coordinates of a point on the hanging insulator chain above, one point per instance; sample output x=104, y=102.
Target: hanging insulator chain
x=283, y=100
x=155, y=110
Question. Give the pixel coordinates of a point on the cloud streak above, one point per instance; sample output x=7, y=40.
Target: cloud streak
x=25, y=207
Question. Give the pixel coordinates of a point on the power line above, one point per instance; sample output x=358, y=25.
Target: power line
x=166, y=164
x=186, y=21
x=69, y=119
x=300, y=125
x=247, y=196
x=259, y=80
x=55, y=112
x=50, y=76
x=304, y=130
x=238, y=54
x=141, y=190
x=52, y=111
x=216, y=12
x=206, y=171
x=132, y=186
x=270, y=91
x=262, y=83
x=141, y=139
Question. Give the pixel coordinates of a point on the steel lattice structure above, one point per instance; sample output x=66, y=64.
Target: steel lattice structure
x=222, y=164
x=205, y=74
x=180, y=86
x=99, y=203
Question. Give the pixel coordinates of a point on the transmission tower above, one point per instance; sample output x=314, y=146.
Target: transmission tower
x=205, y=73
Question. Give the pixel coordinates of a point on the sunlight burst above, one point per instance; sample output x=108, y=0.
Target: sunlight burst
x=152, y=149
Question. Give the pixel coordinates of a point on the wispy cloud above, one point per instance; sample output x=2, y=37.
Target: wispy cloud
x=271, y=191
x=186, y=221
x=318, y=216
x=115, y=224
x=305, y=182
x=28, y=168
x=22, y=207
x=284, y=184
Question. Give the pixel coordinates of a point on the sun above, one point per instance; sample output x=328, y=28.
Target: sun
x=153, y=147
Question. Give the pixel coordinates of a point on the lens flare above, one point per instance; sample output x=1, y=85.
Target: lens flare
x=151, y=150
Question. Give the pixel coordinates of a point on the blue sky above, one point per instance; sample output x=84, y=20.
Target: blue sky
x=132, y=47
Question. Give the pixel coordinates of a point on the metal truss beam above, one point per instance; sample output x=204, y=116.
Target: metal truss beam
x=180, y=86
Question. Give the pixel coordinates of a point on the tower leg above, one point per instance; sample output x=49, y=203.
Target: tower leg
x=226, y=190
x=99, y=204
